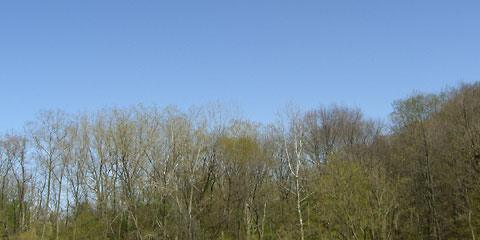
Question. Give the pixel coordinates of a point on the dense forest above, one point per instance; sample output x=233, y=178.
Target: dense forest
x=146, y=172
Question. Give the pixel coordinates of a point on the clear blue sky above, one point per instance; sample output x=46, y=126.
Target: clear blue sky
x=85, y=55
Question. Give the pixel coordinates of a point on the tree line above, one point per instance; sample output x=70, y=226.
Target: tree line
x=206, y=173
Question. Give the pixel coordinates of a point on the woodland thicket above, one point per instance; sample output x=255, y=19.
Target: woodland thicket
x=146, y=172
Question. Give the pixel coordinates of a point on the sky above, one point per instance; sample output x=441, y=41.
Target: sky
x=261, y=55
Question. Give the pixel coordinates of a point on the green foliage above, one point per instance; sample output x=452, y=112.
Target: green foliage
x=353, y=203
x=414, y=109
x=85, y=224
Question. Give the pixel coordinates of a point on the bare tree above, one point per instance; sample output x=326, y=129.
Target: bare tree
x=15, y=148
x=292, y=142
x=48, y=135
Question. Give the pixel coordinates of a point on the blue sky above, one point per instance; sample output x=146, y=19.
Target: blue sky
x=85, y=55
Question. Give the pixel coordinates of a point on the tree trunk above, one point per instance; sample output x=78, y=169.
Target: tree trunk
x=58, y=204
x=48, y=196
x=299, y=207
